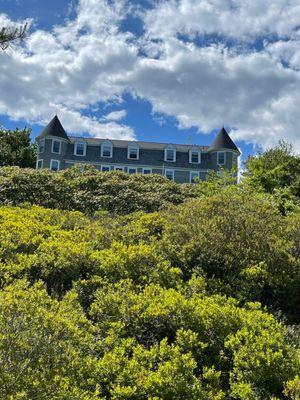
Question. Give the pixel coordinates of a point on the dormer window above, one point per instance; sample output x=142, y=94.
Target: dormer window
x=170, y=154
x=133, y=151
x=80, y=148
x=106, y=149
x=56, y=144
x=195, y=156
x=221, y=157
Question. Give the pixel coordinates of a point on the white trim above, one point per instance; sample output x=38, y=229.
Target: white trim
x=167, y=148
x=224, y=152
x=134, y=168
x=170, y=170
x=194, y=150
x=37, y=162
x=59, y=141
x=162, y=166
x=107, y=143
x=84, y=148
x=120, y=167
x=39, y=143
x=147, y=169
x=105, y=166
x=194, y=172
x=51, y=161
x=134, y=146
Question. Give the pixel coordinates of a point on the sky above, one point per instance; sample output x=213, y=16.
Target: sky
x=174, y=71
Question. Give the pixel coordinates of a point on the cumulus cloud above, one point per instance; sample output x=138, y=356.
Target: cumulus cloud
x=115, y=115
x=207, y=63
x=68, y=70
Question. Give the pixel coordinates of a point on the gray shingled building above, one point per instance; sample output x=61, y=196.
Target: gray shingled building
x=180, y=162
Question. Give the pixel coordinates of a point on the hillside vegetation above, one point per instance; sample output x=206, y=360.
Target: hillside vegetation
x=150, y=290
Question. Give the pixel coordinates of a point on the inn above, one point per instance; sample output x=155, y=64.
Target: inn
x=179, y=162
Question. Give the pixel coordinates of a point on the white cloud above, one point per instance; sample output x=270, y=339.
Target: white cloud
x=207, y=63
x=67, y=71
x=115, y=115
x=241, y=19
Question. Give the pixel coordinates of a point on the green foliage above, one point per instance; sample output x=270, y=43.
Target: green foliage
x=241, y=244
x=46, y=347
x=194, y=295
x=246, y=347
x=16, y=147
x=89, y=190
x=277, y=169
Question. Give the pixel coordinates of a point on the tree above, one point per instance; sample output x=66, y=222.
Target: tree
x=9, y=35
x=16, y=148
x=274, y=170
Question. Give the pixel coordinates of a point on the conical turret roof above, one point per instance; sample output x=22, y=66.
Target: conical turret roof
x=54, y=128
x=223, y=141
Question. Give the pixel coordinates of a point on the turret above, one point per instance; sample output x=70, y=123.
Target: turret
x=223, y=151
x=52, y=143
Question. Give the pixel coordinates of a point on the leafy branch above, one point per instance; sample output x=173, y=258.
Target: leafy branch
x=9, y=35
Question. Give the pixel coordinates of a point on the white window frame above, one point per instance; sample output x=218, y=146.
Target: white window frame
x=190, y=156
x=119, y=168
x=107, y=143
x=147, y=169
x=194, y=172
x=168, y=148
x=134, y=168
x=135, y=147
x=51, y=162
x=218, y=153
x=172, y=171
x=105, y=166
x=39, y=144
x=84, y=148
x=55, y=152
x=37, y=163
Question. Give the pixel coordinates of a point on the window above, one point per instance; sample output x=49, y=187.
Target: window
x=170, y=154
x=133, y=152
x=194, y=176
x=41, y=146
x=221, y=158
x=234, y=158
x=147, y=171
x=195, y=156
x=106, y=149
x=169, y=173
x=131, y=170
x=39, y=164
x=54, y=165
x=105, y=168
x=80, y=149
x=117, y=168
x=56, y=146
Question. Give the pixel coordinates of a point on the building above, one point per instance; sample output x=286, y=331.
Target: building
x=180, y=162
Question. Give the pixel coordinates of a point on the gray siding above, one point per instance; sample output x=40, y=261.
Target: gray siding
x=148, y=158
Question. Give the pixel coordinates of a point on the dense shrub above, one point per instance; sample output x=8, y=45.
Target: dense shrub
x=89, y=190
x=242, y=245
x=194, y=301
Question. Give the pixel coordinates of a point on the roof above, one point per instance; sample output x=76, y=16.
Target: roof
x=141, y=144
x=223, y=141
x=54, y=128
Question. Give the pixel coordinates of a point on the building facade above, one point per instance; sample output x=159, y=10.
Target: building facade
x=179, y=162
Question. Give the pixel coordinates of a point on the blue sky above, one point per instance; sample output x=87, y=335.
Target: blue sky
x=172, y=71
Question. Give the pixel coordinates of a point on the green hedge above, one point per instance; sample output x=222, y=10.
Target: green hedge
x=89, y=190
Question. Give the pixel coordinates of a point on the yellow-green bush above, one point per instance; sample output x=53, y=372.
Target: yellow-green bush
x=144, y=306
